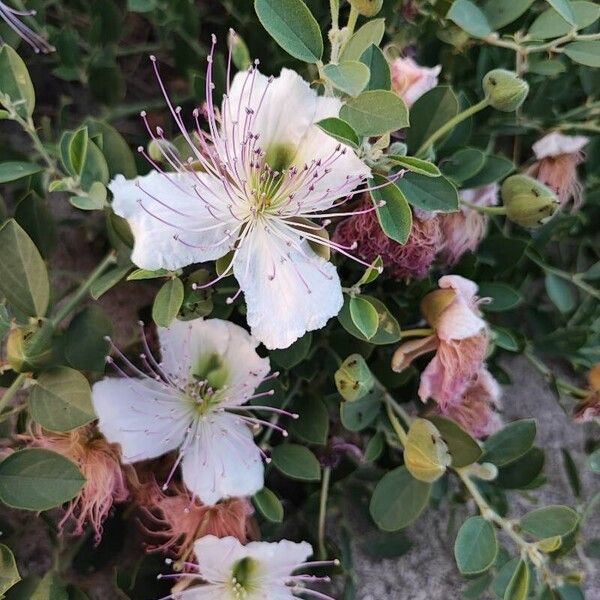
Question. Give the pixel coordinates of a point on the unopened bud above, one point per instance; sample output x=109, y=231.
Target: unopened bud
x=354, y=379
x=528, y=202
x=485, y=471
x=29, y=349
x=366, y=8
x=505, y=90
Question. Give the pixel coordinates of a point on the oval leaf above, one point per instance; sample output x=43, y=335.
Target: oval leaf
x=551, y=25
x=550, y=521
x=340, y=130
x=371, y=33
x=168, y=301
x=388, y=330
x=375, y=112
x=584, y=53
x=564, y=9
x=510, y=443
x=364, y=316
x=518, y=586
x=13, y=170
x=470, y=18
x=15, y=83
x=296, y=462
x=350, y=77
x=269, y=505
x=425, y=453
x=395, y=216
x=476, y=546
x=38, y=479
x=9, y=575
x=433, y=194
x=61, y=400
x=292, y=26
x=463, y=449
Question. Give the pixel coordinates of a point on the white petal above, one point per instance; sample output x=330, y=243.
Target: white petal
x=555, y=144
x=205, y=592
x=216, y=556
x=183, y=343
x=280, y=558
x=289, y=290
x=173, y=227
x=461, y=318
x=222, y=461
x=143, y=416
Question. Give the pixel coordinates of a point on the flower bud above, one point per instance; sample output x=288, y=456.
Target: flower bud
x=528, y=202
x=29, y=349
x=505, y=90
x=366, y=8
x=354, y=379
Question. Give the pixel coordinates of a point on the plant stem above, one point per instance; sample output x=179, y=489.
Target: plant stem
x=352, y=19
x=11, y=391
x=487, y=210
x=451, y=124
x=323, y=511
x=81, y=291
x=420, y=332
x=390, y=406
x=575, y=391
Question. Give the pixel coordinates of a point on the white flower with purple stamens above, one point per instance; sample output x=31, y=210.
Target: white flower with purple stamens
x=192, y=402
x=12, y=18
x=257, y=185
x=257, y=571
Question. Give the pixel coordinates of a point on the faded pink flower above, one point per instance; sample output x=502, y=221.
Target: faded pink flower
x=588, y=409
x=401, y=261
x=176, y=520
x=99, y=463
x=410, y=80
x=476, y=411
x=460, y=340
x=464, y=230
x=558, y=157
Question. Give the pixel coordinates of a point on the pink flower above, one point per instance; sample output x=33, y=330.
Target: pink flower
x=588, y=409
x=460, y=340
x=476, y=411
x=176, y=519
x=558, y=157
x=464, y=230
x=99, y=462
x=412, y=259
x=410, y=80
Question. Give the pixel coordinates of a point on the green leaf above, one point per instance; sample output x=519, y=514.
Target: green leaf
x=570, y=592
x=108, y=280
x=495, y=169
x=507, y=339
x=518, y=586
x=293, y=355
x=395, y=216
x=9, y=574
x=95, y=168
x=464, y=450
x=269, y=505
x=398, y=500
x=140, y=274
x=359, y=414
x=470, y=18
x=34, y=215
x=350, y=77
x=584, y=53
x=429, y=193
x=37, y=479
x=13, y=170
x=297, y=462
x=293, y=27
x=564, y=9
x=388, y=330
x=371, y=33
x=551, y=25
x=85, y=344
x=500, y=13
x=594, y=461
x=476, y=546
x=503, y=296
x=561, y=292
x=116, y=151
x=522, y=473
x=240, y=55
x=364, y=316
x=463, y=164
x=372, y=272
x=430, y=112
x=312, y=425
x=168, y=301
x=61, y=400
x=141, y=5
x=51, y=587
x=415, y=165
x=23, y=275
x=375, y=447
x=77, y=150
x=550, y=521
x=354, y=380
x=375, y=112
x=426, y=455
x=340, y=130
x=510, y=443
x=379, y=69
x=16, y=89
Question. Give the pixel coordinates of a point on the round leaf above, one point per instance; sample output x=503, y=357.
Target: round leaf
x=61, y=400
x=37, y=479
x=296, y=462
x=292, y=26
x=375, y=112
x=398, y=500
x=425, y=453
x=349, y=77
x=476, y=546
x=550, y=521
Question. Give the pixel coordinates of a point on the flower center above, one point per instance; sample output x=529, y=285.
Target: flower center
x=243, y=578
x=269, y=174
x=210, y=375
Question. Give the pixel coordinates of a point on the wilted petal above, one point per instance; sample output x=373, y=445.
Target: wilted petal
x=556, y=143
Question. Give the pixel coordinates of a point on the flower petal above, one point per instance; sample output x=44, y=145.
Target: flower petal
x=222, y=460
x=216, y=556
x=143, y=416
x=461, y=318
x=289, y=290
x=174, y=224
x=555, y=144
x=280, y=558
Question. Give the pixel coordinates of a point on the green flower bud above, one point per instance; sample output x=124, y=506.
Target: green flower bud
x=366, y=8
x=30, y=349
x=528, y=202
x=505, y=90
x=354, y=379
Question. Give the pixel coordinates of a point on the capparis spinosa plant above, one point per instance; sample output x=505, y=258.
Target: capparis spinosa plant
x=261, y=267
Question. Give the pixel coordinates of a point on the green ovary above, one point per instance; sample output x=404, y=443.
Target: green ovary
x=243, y=578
